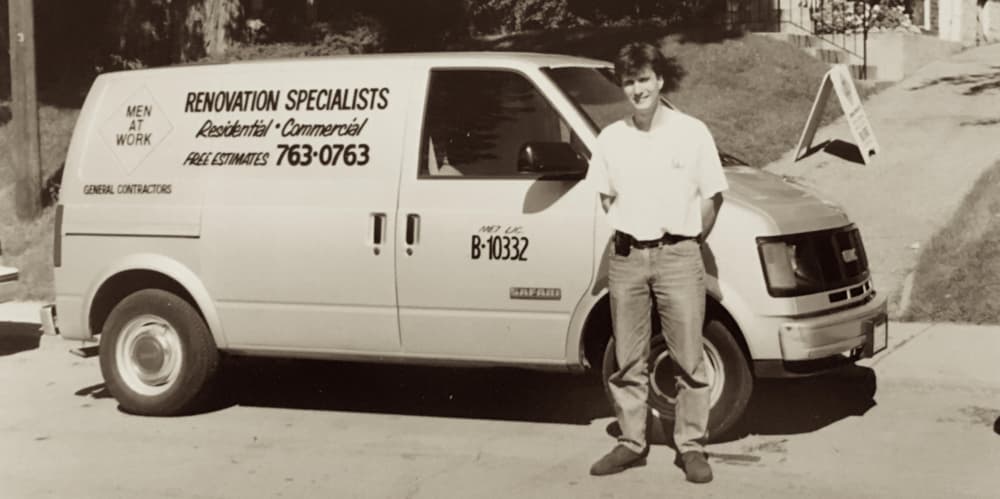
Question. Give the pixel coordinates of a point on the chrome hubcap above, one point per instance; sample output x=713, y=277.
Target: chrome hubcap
x=148, y=354
x=662, y=381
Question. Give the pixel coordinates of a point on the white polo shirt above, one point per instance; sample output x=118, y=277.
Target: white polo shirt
x=657, y=177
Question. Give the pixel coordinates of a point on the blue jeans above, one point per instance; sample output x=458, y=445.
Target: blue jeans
x=675, y=275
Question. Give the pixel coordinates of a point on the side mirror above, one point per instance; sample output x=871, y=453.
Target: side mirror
x=551, y=159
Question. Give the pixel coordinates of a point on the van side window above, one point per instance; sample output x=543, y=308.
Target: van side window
x=477, y=121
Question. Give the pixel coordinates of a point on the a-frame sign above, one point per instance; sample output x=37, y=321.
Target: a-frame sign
x=838, y=79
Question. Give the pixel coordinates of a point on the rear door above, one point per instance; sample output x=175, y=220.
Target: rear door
x=490, y=263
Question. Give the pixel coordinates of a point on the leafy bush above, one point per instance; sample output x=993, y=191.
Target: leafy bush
x=845, y=16
x=507, y=16
x=360, y=34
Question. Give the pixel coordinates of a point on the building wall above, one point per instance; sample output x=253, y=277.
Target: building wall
x=930, y=12
x=963, y=21
x=952, y=20
x=992, y=16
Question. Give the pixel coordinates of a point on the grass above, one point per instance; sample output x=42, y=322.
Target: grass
x=27, y=245
x=957, y=277
x=754, y=93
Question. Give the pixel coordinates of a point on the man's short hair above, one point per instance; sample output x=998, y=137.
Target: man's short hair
x=636, y=55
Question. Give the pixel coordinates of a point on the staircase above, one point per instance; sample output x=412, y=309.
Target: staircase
x=828, y=53
x=810, y=25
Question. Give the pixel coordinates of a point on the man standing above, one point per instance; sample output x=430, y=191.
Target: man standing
x=660, y=180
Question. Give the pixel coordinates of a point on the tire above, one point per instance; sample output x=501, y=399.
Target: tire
x=728, y=373
x=158, y=357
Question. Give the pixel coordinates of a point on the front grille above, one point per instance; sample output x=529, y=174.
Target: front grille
x=854, y=292
x=834, y=258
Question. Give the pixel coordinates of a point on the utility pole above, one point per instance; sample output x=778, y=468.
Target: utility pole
x=25, y=150
x=310, y=12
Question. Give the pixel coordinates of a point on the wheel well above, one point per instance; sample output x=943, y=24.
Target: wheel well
x=596, y=333
x=715, y=310
x=119, y=286
x=597, y=329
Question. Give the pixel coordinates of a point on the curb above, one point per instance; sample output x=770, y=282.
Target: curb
x=904, y=297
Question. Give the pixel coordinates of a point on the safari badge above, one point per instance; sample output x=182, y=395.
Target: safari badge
x=517, y=293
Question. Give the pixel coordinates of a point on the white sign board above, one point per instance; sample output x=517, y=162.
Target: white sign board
x=838, y=78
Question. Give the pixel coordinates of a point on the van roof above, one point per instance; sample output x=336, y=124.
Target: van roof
x=468, y=59
x=532, y=58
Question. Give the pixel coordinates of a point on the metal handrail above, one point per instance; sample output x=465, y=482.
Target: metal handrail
x=832, y=21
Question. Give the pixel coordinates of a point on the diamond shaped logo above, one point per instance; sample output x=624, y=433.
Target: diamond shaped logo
x=137, y=126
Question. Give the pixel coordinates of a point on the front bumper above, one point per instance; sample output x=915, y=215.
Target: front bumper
x=861, y=332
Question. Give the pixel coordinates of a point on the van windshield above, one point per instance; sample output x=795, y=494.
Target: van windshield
x=594, y=92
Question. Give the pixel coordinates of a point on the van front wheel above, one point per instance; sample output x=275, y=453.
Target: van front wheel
x=729, y=378
x=157, y=356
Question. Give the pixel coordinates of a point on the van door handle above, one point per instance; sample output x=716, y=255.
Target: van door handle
x=412, y=231
x=378, y=231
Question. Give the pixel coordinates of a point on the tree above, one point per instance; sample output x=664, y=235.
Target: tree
x=157, y=32
x=210, y=27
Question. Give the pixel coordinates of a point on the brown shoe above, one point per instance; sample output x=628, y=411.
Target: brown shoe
x=619, y=459
x=696, y=468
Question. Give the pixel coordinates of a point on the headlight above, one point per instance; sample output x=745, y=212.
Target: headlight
x=790, y=268
x=777, y=260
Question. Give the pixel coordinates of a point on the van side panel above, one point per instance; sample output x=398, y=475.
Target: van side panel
x=282, y=176
x=290, y=249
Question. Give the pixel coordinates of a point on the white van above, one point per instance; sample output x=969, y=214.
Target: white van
x=429, y=208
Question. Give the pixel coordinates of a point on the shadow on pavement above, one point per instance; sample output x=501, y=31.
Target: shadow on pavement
x=98, y=391
x=814, y=149
x=845, y=151
x=789, y=406
x=839, y=148
x=983, y=122
x=778, y=407
x=996, y=426
x=804, y=405
x=17, y=337
x=488, y=393
x=977, y=82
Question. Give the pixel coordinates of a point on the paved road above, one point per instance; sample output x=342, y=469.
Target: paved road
x=938, y=133
x=313, y=429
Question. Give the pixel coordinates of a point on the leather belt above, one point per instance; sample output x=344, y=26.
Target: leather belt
x=654, y=243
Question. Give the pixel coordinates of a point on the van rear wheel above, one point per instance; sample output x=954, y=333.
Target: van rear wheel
x=728, y=375
x=158, y=357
